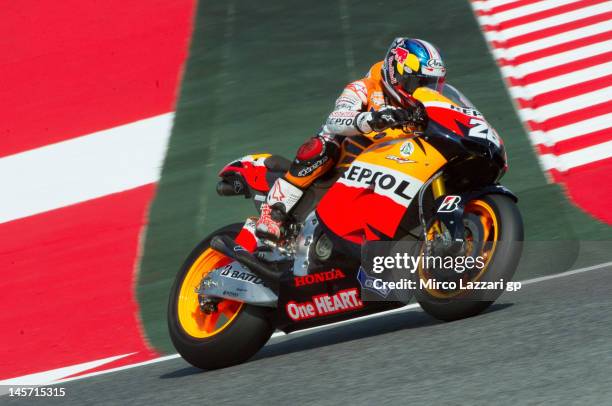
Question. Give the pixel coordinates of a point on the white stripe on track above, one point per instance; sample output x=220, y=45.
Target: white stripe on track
x=562, y=38
x=491, y=4
x=519, y=71
x=579, y=129
x=491, y=35
x=487, y=5
x=548, y=22
x=530, y=9
x=577, y=158
x=277, y=334
x=42, y=378
x=548, y=111
x=568, y=79
x=83, y=168
x=567, y=273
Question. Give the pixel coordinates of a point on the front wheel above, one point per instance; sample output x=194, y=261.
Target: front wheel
x=228, y=332
x=494, y=227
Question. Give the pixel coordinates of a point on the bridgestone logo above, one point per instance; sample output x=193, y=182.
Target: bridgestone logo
x=318, y=277
x=325, y=305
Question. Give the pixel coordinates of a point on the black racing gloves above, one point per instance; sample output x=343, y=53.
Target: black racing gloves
x=394, y=117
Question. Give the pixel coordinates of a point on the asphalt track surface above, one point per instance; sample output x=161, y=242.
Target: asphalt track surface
x=549, y=343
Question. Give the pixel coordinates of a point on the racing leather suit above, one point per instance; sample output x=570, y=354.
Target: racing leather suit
x=351, y=116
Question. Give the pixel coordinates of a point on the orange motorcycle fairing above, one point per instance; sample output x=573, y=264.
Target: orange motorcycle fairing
x=370, y=199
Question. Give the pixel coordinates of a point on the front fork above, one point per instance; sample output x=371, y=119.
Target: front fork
x=438, y=187
x=449, y=211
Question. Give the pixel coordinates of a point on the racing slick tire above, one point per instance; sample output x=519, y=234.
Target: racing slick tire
x=504, y=214
x=238, y=331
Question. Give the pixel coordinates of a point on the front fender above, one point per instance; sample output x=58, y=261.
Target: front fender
x=492, y=190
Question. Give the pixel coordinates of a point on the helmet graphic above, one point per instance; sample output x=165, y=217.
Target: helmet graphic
x=410, y=64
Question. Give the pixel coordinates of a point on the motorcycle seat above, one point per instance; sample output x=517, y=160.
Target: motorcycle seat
x=277, y=163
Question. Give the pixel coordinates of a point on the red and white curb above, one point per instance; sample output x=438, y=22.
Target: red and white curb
x=556, y=56
x=84, y=168
x=80, y=158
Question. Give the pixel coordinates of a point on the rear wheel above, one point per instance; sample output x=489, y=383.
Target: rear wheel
x=494, y=231
x=224, y=333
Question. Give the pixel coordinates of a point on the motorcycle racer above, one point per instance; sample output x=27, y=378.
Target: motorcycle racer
x=380, y=100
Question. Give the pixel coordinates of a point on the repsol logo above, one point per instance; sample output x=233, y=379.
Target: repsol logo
x=384, y=181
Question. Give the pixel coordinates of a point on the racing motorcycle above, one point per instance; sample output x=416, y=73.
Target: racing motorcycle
x=436, y=185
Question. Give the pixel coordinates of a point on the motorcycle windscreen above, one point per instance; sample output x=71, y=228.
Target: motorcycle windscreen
x=368, y=202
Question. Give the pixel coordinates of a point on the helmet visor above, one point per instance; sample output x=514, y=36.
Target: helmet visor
x=411, y=82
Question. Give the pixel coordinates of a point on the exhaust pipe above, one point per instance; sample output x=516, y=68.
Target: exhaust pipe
x=227, y=246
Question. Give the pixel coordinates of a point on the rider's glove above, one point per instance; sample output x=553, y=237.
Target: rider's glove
x=388, y=117
x=419, y=115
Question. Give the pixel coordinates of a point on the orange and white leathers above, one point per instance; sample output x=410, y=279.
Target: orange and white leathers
x=350, y=117
x=353, y=109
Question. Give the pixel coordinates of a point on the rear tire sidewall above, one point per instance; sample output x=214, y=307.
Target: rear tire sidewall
x=239, y=341
x=502, y=265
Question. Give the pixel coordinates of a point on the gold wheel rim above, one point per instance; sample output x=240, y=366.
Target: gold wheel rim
x=490, y=225
x=192, y=319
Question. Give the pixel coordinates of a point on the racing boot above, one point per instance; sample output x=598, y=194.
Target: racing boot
x=281, y=198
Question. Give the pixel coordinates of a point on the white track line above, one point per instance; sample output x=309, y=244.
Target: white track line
x=548, y=111
x=42, y=378
x=548, y=22
x=487, y=5
x=551, y=137
x=554, y=60
x=562, y=81
x=580, y=128
x=530, y=9
x=83, y=168
x=562, y=38
x=565, y=162
x=277, y=334
x=494, y=19
x=566, y=273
